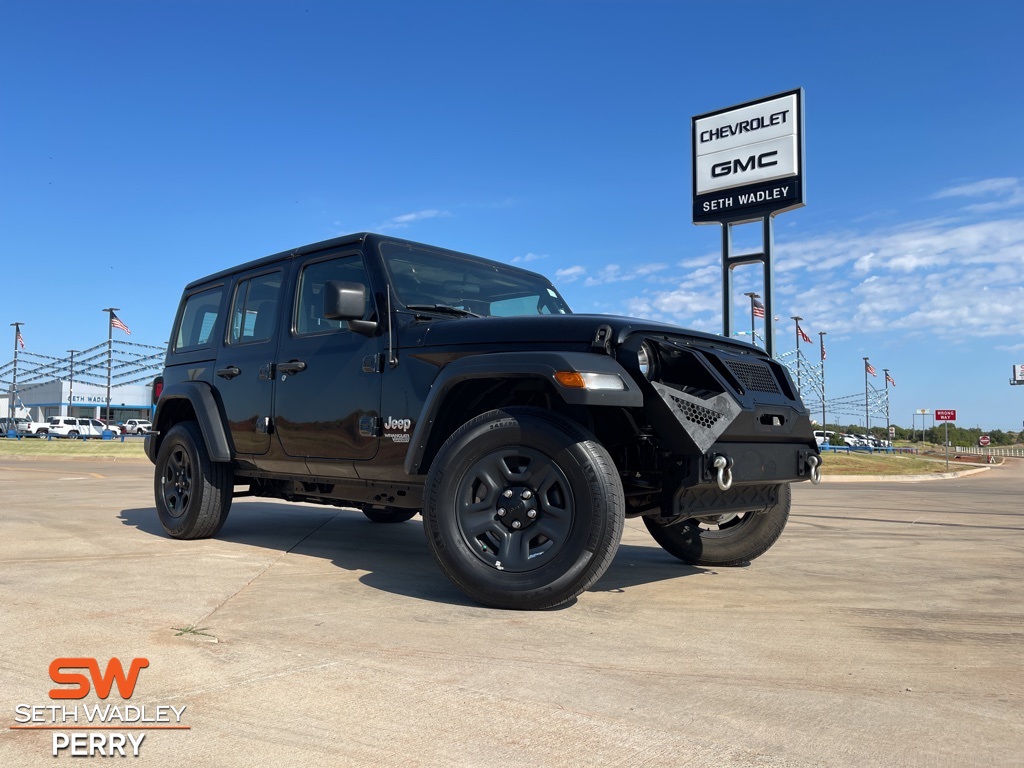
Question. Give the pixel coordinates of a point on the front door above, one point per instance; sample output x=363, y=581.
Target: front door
x=244, y=365
x=324, y=401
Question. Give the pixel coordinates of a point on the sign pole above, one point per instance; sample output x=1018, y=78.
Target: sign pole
x=947, y=446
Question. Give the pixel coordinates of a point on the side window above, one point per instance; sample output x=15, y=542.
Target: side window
x=198, y=319
x=254, y=308
x=309, y=309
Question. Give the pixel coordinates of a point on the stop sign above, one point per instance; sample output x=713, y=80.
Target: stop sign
x=983, y=440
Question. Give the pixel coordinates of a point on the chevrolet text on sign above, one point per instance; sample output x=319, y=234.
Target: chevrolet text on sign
x=748, y=159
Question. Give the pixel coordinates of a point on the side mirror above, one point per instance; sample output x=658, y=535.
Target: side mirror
x=347, y=301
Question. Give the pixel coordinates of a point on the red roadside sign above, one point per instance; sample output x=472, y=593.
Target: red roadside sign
x=945, y=415
x=983, y=440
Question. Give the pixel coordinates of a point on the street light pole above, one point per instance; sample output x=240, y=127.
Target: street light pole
x=753, y=297
x=799, y=389
x=71, y=381
x=867, y=418
x=821, y=340
x=110, y=350
x=887, y=427
x=14, y=377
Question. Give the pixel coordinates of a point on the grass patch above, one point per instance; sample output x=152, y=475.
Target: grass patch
x=881, y=464
x=63, y=448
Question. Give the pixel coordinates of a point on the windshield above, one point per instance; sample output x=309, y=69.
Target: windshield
x=425, y=278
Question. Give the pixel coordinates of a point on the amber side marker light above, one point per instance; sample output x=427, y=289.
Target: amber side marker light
x=577, y=380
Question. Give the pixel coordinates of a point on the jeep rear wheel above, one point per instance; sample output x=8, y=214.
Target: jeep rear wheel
x=193, y=493
x=523, y=509
x=723, y=540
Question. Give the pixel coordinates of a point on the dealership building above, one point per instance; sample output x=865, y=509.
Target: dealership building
x=61, y=397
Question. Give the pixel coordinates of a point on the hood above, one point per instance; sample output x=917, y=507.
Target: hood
x=557, y=329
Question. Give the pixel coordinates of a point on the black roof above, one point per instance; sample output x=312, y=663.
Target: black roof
x=323, y=245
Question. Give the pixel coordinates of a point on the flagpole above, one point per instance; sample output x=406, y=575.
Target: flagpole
x=753, y=335
x=867, y=418
x=14, y=377
x=110, y=350
x=821, y=339
x=886, y=372
x=799, y=389
x=71, y=381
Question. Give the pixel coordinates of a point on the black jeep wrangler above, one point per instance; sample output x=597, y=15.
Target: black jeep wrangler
x=396, y=377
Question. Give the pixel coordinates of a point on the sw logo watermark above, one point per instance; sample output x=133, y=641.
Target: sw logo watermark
x=96, y=730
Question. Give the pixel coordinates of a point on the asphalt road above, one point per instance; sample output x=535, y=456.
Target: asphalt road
x=885, y=628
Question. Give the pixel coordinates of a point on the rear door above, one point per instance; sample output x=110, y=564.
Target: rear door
x=245, y=361
x=327, y=393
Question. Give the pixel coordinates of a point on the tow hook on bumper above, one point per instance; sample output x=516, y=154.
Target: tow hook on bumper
x=723, y=465
x=814, y=464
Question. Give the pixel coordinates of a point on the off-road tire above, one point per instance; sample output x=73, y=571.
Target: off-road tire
x=193, y=494
x=735, y=541
x=553, y=468
x=389, y=515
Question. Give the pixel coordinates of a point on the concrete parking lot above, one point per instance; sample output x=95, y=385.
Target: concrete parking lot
x=885, y=628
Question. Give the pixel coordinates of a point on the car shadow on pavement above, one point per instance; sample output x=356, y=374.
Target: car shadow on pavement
x=636, y=565
x=390, y=557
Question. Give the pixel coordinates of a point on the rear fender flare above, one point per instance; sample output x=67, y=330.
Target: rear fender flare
x=208, y=414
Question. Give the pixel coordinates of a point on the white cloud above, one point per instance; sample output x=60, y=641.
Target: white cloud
x=1008, y=191
x=985, y=187
x=613, y=273
x=570, y=274
x=405, y=219
x=949, y=282
x=528, y=258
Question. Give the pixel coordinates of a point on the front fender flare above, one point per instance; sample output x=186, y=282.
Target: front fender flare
x=518, y=365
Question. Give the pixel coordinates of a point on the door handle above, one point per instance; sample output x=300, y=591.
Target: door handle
x=292, y=366
x=230, y=372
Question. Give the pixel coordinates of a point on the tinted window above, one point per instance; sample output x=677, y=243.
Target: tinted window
x=423, y=277
x=198, y=319
x=309, y=310
x=254, y=309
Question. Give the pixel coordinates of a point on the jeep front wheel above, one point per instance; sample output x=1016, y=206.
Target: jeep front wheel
x=723, y=540
x=523, y=509
x=389, y=514
x=193, y=493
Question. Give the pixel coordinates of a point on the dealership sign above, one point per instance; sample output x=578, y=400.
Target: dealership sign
x=748, y=160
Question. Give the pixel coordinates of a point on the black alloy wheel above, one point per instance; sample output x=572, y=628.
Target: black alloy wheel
x=193, y=493
x=523, y=509
x=727, y=539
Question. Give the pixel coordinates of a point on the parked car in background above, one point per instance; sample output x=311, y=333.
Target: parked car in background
x=24, y=426
x=822, y=436
x=68, y=426
x=138, y=427
x=113, y=426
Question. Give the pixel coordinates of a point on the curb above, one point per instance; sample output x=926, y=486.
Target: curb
x=901, y=478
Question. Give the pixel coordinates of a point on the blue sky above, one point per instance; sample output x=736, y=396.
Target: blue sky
x=144, y=144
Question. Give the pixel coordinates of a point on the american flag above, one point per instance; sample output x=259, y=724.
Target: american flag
x=115, y=322
x=890, y=379
x=20, y=338
x=869, y=368
x=822, y=347
x=758, y=308
x=803, y=335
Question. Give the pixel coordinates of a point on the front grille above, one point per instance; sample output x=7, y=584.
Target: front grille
x=754, y=376
x=697, y=414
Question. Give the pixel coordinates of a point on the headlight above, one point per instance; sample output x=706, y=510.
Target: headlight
x=645, y=359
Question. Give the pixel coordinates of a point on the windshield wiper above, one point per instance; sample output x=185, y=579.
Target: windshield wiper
x=443, y=309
